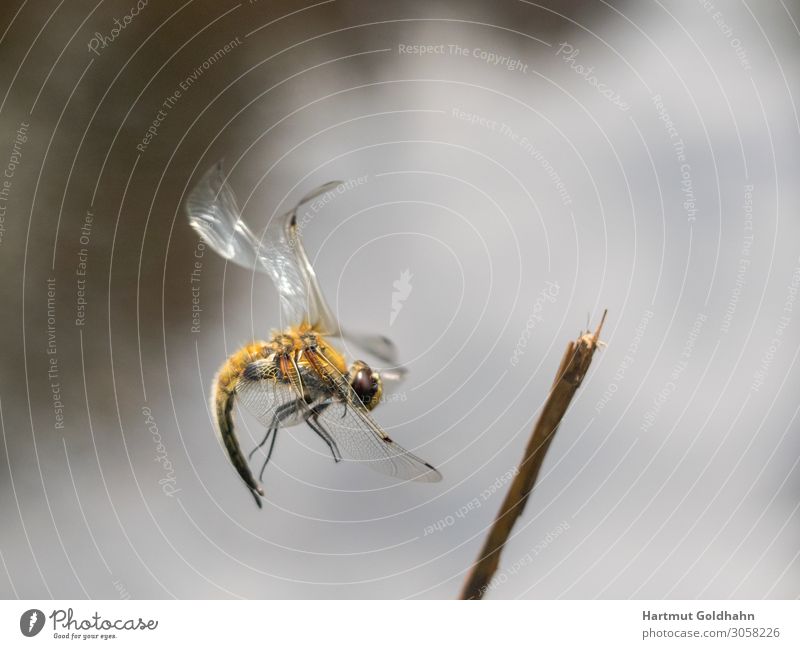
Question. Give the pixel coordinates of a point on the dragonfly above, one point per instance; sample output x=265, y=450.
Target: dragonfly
x=297, y=376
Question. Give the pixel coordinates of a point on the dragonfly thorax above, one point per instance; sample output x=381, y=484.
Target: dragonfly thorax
x=293, y=342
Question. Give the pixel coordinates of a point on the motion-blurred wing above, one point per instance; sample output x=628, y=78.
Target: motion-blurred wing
x=216, y=217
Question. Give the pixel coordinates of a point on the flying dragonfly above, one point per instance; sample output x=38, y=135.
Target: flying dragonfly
x=297, y=376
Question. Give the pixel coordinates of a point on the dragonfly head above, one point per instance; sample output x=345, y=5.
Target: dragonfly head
x=366, y=384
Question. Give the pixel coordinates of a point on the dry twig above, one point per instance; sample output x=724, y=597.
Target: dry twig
x=573, y=368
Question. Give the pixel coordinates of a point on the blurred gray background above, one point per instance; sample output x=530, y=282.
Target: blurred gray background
x=539, y=163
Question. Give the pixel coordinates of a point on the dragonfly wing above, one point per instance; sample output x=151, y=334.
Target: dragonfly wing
x=323, y=319
x=265, y=397
x=279, y=253
x=348, y=423
x=391, y=378
x=379, y=346
x=358, y=436
x=321, y=316
x=295, y=278
x=215, y=216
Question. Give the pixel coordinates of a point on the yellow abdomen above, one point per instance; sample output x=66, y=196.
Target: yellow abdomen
x=222, y=398
x=283, y=346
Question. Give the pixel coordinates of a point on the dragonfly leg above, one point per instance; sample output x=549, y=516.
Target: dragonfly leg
x=313, y=423
x=270, y=431
x=281, y=413
x=269, y=453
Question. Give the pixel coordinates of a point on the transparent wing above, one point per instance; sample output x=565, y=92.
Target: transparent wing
x=279, y=253
x=355, y=433
x=359, y=437
x=274, y=403
x=335, y=410
x=323, y=319
x=215, y=216
x=379, y=346
x=267, y=399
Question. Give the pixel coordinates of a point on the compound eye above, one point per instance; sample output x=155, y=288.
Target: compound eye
x=364, y=384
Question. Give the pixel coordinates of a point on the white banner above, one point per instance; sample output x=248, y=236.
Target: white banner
x=387, y=624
